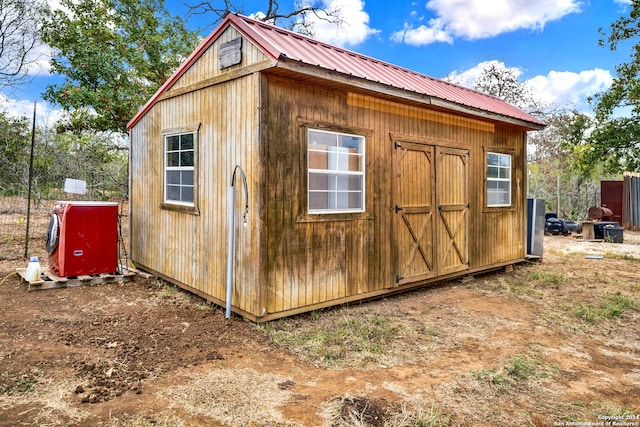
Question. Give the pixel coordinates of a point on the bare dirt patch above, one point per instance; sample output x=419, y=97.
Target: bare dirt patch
x=550, y=342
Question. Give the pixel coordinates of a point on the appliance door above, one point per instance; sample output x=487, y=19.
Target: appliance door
x=53, y=234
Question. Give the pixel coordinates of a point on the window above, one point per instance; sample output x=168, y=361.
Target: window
x=179, y=168
x=498, y=179
x=335, y=172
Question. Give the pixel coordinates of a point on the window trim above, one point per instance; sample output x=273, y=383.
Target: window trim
x=175, y=205
x=510, y=154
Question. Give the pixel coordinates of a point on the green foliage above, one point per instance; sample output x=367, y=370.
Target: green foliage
x=114, y=55
x=99, y=159
x=25, y=382
x=611, y=308
x=518, y=370
x=546, y=279
x=563, y=169
x=15, y=147
x=615, y=140
x=335, y=340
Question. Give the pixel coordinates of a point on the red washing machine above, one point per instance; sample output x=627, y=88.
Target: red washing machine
x=83, y=238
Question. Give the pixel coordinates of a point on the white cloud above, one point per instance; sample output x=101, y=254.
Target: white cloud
x=422, y=34
x=468, y=77
x=478, y=19
x=45, y=114
x=355, y=27
x=563, y=89
x=569, y=89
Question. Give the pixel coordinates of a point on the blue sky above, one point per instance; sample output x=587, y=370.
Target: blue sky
x=552, y=44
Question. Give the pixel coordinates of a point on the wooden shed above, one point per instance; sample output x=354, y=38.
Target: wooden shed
x=363, y=178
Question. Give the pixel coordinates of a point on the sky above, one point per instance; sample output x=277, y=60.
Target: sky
x=551, y=44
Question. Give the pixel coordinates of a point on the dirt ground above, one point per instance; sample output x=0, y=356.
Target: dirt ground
x=530, y=346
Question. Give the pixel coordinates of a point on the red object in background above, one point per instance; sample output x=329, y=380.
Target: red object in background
x=84, y=239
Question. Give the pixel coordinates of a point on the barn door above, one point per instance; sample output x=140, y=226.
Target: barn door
x=452, y=218
x=415, y=212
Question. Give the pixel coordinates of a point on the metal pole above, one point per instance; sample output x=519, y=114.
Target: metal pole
x=33, y=140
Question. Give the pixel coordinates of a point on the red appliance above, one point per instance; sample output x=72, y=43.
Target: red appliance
x=83, y=238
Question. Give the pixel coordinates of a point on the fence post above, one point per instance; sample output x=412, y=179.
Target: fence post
x=33, y=140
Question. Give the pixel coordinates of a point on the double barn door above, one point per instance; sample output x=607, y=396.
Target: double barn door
x=432, y=211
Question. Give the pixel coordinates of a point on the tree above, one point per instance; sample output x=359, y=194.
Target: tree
x=503, y=83
x=616, y=140
x=558, y=170
x=114, y=55
x=15, y=135
x=300, y=18
x=20, y=22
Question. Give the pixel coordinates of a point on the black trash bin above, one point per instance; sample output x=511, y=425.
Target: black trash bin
x=614, y=234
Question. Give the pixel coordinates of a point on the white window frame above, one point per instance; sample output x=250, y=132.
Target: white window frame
x=180, y=168
x=499, y=173
x=338, y=158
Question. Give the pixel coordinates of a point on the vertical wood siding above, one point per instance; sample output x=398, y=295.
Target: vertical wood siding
x=316, y=260
x=286, y=260
x=191, y=249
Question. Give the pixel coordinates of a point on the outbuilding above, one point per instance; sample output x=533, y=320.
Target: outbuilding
x=362, y=178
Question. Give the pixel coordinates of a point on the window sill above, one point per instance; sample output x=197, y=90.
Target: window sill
x=487, y=209
x=360, y=216
x=180, y=208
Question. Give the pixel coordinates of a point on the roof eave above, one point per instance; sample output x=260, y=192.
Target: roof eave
x=319, y=72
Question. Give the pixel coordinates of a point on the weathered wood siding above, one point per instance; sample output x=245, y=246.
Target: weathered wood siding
x=286, y=260
x=190, y=248
x=309, y=260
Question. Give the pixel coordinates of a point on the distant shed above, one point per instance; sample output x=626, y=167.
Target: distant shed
x=363, y=178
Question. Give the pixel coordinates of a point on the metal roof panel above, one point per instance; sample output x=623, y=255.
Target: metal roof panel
x=279, y=44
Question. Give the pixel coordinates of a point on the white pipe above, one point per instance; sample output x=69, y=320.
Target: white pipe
x=232, y=201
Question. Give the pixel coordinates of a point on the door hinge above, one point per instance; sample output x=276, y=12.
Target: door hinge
x=399, y=278
x=396, y=145
x=398, y=208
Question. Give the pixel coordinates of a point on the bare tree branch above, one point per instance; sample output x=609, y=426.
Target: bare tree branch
x=20, y=23
x=296, y=19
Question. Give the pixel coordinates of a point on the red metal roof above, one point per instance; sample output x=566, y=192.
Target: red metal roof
x=285, y=45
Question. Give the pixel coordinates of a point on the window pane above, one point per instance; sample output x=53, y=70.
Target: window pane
x=505, y=173
x=492, y=159
x=173, y=192
x=186, y=158
x=503, y=185
x=350, y=141
x=323, y=138
x=187, y=194
x=173, y=143
x=355, y=183
x=173, y=159
x=318, y=181
x=318, y=156
x=187, y=141
x=187, y=178
x=173, y=177
x=355, y=201
x=493, y=172
x=505, y=161
x=318, y=200
x=338, y=158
